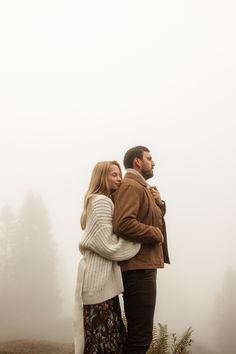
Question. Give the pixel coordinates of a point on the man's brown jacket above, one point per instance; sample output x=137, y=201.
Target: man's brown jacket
x=138, y=218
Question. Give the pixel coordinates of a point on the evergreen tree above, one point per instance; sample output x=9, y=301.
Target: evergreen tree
x=34, y=295
x=7, y=232
x=7, y=236
x=225, y=317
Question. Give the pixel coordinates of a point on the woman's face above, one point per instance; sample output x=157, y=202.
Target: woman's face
x=114, y=178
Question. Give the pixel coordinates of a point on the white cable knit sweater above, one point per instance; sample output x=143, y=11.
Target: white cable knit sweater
x=99, y=275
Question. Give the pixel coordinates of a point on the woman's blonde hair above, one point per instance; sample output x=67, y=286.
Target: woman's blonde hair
x=98, y=185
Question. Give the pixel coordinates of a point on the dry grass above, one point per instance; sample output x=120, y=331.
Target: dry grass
x=35, y=347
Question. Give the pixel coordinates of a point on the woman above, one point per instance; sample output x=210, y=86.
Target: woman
x=98, y=323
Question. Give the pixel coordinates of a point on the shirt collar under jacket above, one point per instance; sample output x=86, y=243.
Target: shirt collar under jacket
x=136, y=173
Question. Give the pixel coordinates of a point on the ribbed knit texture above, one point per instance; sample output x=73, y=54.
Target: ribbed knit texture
x=101, y=249
x=99, y=276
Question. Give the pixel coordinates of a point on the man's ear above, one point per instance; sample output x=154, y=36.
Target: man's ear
x=137, y=162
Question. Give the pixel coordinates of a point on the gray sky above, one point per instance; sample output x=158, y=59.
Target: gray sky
x=83, y=82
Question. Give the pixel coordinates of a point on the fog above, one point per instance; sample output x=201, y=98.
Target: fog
x=85, y=81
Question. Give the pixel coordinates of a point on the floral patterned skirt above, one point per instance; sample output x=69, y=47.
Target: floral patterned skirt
x=104, y=329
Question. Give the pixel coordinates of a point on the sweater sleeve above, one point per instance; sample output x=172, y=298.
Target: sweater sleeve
x=99, y=237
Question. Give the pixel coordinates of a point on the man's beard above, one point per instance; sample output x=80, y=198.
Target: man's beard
x=147, y=174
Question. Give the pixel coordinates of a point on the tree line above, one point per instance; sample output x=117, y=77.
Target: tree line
x=29, y=289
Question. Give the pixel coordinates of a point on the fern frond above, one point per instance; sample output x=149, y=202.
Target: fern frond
x=181, y=345
x=160, y=342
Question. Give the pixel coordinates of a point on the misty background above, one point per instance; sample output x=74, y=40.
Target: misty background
x=83, y=82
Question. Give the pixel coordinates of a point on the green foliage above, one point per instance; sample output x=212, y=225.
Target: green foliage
x=165, y=343
x=160, y=341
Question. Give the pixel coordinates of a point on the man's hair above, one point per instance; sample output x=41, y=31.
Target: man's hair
x=132, y=153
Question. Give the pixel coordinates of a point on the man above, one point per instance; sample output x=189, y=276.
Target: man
x=138, y=217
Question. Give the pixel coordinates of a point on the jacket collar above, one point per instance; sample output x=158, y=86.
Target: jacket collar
x=133, y=174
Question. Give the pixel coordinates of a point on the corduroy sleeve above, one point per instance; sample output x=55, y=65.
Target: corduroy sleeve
x=125, y=219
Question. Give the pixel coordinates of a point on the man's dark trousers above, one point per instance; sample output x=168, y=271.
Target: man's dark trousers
x=139, y=304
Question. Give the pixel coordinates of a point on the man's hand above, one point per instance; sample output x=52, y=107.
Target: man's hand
x=156, y=195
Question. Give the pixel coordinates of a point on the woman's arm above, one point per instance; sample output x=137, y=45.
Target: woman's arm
x=99, y=237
